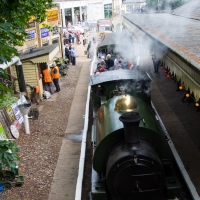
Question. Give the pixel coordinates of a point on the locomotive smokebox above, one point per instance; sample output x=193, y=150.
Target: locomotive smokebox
x=131, y=122
x=134, y=170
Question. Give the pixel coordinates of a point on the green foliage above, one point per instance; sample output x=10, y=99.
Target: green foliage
x=61, y=61
x=7, y=100
x=14, y=17
x=48, y=26
x=35, y=110
x=8, y=154
x=4, y=89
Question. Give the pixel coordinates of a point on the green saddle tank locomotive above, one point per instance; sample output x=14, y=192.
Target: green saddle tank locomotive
x=132, y=159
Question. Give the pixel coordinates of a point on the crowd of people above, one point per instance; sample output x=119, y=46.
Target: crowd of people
x=106, y=63
x=69, y=40
x=70, y=53
x=71, y=37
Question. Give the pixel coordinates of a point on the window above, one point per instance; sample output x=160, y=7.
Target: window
x=107, y=28
x=55, y=41
x=129, y=8
x=101, y=28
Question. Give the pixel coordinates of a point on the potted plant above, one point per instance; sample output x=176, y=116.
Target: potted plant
x=61, y=62
x=8, y=167
x=34, y=113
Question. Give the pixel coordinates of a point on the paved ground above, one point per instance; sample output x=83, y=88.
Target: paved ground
x=66, y=172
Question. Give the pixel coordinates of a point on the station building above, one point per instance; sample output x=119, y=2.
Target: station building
x=81, y=11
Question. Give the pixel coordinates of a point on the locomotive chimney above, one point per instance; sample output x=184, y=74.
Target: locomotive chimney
x=131, y=122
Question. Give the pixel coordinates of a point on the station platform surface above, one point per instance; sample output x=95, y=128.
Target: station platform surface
x=180, y=119
x=65, y=176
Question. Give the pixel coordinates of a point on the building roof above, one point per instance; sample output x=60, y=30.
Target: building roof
x=189, y=10
x=37, y=52
x=178, y=33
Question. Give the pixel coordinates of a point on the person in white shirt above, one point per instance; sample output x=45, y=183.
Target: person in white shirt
x=116, y=62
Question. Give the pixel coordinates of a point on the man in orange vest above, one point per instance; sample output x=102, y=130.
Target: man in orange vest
x=55, y=74
x=47, y=80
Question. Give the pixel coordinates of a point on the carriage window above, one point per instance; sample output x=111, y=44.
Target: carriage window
x=101, y=28
x=107, y=28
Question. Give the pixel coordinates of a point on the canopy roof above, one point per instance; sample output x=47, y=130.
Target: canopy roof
x=189, y=10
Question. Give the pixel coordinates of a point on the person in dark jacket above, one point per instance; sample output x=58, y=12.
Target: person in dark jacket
x=67, y=53
x=70, y=38
x=109, y=62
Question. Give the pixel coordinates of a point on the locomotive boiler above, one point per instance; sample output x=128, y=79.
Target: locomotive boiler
x=132, y=159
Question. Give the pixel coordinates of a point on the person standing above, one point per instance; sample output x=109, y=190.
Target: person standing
x=70, y=38
x=88, y=49
x=55, y=74
x=77, y=37
x=109, y=62
x=67, y=53
x=65, y=36
x=47, y=80
x=84, y=39
x=73, y=36
x=116, y=62
x=73, y=56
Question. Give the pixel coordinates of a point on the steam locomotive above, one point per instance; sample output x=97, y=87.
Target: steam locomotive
x=132, y=159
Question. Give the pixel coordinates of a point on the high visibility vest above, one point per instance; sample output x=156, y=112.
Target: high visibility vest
x=57, y=75
x=47, y=76
x=37, y=89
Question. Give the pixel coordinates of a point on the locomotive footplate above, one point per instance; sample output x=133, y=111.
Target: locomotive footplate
x=98, y=189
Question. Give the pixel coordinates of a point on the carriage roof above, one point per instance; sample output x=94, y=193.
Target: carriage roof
x=108, y=76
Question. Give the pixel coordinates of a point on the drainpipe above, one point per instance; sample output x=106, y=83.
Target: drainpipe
x=24, y=108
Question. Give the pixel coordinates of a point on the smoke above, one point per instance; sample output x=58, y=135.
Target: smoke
x=124, y=46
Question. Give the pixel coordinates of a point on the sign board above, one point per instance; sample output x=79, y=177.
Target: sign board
x=31, y=21
x=55, y=30
x=44, y=32
x=3, y=135
x=52, y=15
x=31, y=35
x=17, y=113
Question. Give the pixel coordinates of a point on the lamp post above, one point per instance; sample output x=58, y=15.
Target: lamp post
x=61, y=38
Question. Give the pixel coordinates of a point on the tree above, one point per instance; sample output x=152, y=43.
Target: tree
x=14, y=17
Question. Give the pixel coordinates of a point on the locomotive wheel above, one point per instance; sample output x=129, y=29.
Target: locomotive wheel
x=7, y=185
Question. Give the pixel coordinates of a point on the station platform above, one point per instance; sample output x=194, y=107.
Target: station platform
x=180, y=119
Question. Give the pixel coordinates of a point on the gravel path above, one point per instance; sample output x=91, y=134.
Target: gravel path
x=39, y=151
